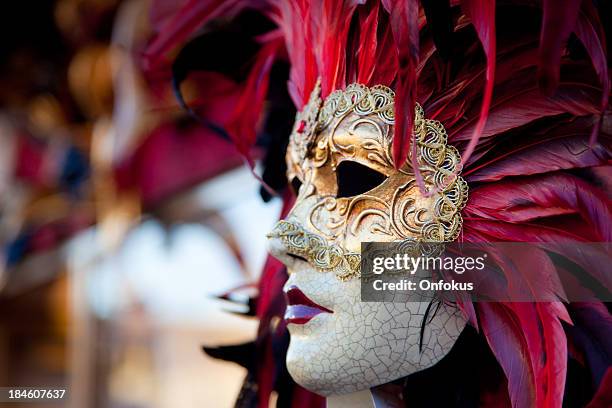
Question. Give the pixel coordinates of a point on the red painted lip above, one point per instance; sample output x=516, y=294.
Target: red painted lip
x=300, y=309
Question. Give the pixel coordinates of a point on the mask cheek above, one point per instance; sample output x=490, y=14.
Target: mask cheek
x=348, y=300
x=301, y=208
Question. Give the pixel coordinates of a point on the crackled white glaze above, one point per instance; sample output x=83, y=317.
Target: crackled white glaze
x=361, y=344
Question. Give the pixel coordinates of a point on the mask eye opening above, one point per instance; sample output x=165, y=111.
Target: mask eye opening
x=354, y=178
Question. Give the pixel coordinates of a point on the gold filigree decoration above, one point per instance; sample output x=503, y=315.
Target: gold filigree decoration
x=359, y=99
x=316, y=250
x=440, y=164
x=357, y=123
x=305, y=125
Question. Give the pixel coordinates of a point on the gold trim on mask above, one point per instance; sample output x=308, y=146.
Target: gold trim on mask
x=305, y=125
x=364, y=101
x=357, y=124
x=324, y=256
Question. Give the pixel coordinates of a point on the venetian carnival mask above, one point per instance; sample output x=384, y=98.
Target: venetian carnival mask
x=349, y=192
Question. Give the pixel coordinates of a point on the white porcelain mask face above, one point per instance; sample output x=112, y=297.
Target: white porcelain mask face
x=340, y=153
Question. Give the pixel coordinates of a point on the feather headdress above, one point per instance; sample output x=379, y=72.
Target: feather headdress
x=522, y=88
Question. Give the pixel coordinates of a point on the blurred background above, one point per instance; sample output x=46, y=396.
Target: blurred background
x=122, y=220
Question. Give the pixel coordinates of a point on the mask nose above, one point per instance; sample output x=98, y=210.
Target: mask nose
x=290, y=244
x=277, y=247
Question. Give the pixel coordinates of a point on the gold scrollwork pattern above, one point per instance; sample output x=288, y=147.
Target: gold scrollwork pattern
x=358, y=98
x=440, y=164
x=316, y=250
x=305, y=125
x=357, y=123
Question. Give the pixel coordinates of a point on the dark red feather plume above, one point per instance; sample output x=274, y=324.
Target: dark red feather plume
x=505, y=337
x=242, y=124
x=190, y=16
x=558, y=22
x=368, y=43
x=529, y=198
x=482, y=14
x=594, y=43
x=522, y=150
x=404, y=25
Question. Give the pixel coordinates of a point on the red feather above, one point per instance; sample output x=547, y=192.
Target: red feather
x=527, y=315
x=505, y=337
x=190, y=16
x=555, y=343
x=482, y=14
x=493, y=230
x=591, y=259
x=295, y=20
x=331, y=21
x=595, y=46
x=603, y=397
x=559, y=20
x=540, y=156
x=404, y=25
x=455, y=97
x=366, y=52
x=386, y=52
x=591, y=332
x=466, y=306
x=547, y=347
x=529, y=342
x=530, y=274
x=529, y=198
x=242, y=125
x=520, y=104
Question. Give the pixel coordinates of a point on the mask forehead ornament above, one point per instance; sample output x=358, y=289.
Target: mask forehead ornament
x=356, y=125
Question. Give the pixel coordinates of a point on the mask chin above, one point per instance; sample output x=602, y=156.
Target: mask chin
x=363, y=344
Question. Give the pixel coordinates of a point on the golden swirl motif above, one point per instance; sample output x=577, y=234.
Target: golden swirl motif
x=318, y=142
x=305, y=125
x=358, y=98
x=316, y=250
